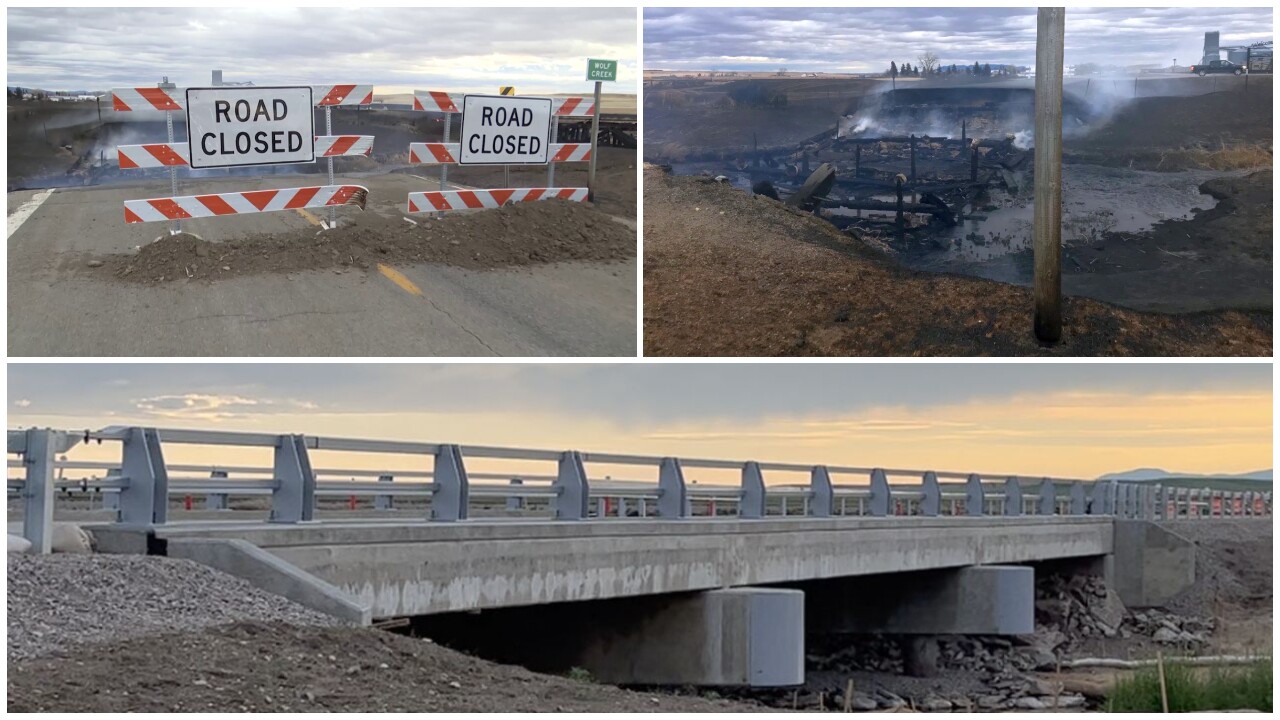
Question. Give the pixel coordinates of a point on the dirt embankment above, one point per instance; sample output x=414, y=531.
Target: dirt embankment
x=693, y=115
x=273, y=667
x=1219, y=131
x=192, y=639
x=520, y=234
x=731, y=274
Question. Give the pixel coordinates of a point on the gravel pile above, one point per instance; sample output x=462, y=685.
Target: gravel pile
x=1233, y=567
x=60, y=602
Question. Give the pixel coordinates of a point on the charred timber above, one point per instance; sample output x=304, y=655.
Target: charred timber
x=942, y=213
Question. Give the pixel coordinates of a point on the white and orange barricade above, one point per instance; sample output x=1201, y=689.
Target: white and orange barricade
x=239, y=203
x=174, y=155
x=444, y=201
x=446, y=153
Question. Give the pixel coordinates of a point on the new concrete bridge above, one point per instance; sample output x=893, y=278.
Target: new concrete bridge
x=715, y=587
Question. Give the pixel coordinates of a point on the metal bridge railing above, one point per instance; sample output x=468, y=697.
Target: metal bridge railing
x=139, y=485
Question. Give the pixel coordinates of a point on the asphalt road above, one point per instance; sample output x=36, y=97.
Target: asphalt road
x=568, y=309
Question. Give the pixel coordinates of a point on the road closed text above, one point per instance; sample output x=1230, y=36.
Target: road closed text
x=505, y=130
x=232, y=127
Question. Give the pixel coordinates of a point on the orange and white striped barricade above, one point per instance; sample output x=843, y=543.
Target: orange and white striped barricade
x=1237, y=504
x=1215, y=504
x=241, y=203
x=174, y=155
x=446, y=153
x=445, y=201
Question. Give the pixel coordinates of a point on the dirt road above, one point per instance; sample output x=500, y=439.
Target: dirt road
x=728, y=273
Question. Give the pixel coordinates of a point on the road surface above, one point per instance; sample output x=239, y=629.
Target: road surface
x=572, y=309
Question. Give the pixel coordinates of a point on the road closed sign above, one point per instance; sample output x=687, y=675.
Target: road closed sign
x=505, y=130
x=239, y=126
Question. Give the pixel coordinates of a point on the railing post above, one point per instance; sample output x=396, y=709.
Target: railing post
x=451, y=496
x=216, y=501
x=384, y=502
x=602, y=508
x=294, y=497
x=37, y=489
x=752, y=495
x=881, y=500
x=111, y=497
x=975, y=500
x=1047, y=504
x=1078, y=504
x=673, y=495
x=144, y=500
x=1012, y=496
x=822, y=492
x=622, y=507
x=572, y=489
x=931, y=502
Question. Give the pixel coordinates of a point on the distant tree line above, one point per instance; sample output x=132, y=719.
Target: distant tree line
x=928, y=66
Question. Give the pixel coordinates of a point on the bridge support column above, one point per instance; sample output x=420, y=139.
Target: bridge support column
x=978, y=600
x=752, y=637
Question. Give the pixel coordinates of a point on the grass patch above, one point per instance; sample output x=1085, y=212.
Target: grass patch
x=1191, y=689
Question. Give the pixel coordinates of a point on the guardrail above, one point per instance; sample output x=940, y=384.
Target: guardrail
x=138, y=486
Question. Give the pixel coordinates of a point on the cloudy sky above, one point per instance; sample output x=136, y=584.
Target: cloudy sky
x=398, y=50
x=1064, y=420
x=865, y=39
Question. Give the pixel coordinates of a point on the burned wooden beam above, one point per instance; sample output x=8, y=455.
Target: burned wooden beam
x=939, y=211
x=815, y=188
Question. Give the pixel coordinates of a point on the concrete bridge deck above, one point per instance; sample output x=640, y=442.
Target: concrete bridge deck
x=421, y=568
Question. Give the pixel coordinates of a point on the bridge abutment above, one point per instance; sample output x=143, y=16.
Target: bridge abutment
x=1152, y=563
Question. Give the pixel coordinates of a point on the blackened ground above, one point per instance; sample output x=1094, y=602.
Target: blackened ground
x=727, y=273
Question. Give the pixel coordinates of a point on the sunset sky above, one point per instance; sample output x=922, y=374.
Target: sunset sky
x=1078, y=420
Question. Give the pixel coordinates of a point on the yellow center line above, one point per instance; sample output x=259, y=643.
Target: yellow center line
x=399, y=279
x=310, y=218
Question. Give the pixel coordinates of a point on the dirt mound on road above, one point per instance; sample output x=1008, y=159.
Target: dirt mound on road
x=729, y=273
x=254, y=666
x=520, y=234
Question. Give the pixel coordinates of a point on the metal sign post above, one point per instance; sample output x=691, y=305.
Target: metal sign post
x=600, y=71
x=328, y=130
x=508, y=90
x=175, y=226
x=444, y=168
x=1047, y=228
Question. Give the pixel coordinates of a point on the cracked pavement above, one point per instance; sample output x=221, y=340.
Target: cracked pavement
x=569, y=309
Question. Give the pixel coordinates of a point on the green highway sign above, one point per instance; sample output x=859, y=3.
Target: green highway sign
x=602, y=70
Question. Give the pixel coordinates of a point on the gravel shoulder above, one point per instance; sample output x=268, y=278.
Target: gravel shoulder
x=58, y=604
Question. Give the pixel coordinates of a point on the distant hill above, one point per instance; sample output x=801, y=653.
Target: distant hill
x=1152, y=474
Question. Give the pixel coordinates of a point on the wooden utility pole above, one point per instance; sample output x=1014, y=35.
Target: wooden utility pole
x=1047, y=223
